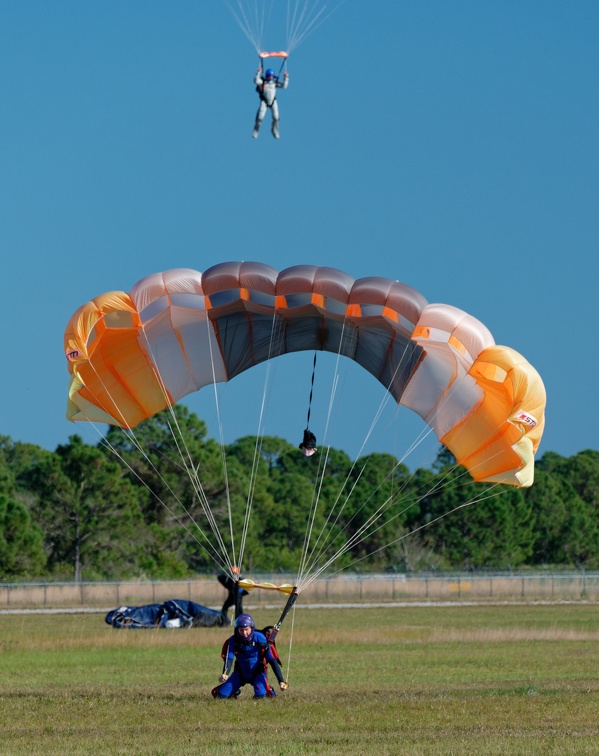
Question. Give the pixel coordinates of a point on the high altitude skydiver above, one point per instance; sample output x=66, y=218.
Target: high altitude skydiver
x=235, y=594
x=267, y=86
x=251, y=652
x=308, y=445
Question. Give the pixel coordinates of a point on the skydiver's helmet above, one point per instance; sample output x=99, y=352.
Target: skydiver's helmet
x=270, y=75
x=244, y=620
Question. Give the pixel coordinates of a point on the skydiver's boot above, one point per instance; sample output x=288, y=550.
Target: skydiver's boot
x=256, y=129
x=275, y=129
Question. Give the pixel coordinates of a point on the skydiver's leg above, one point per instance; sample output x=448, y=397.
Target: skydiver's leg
x=275, y=119
x=261, y=687
x=229, y=602
x=259, y=118
x=229, y=688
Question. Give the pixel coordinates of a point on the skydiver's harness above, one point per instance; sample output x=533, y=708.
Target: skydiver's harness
x=240, y=644
x=260, y=89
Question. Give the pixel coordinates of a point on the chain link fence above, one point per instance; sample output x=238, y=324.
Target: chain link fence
x=354, y=589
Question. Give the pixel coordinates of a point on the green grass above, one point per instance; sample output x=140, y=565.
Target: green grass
x=460, y=680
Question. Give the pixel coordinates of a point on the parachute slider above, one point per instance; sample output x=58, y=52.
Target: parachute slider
x=249, y=585
x=280, y=54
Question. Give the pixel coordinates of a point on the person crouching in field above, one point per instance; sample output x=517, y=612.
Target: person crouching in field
x=251, y=653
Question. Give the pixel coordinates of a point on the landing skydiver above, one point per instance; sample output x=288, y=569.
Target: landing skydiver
x=251, y=653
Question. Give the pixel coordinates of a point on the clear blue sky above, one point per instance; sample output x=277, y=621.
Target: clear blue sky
x=449, y=145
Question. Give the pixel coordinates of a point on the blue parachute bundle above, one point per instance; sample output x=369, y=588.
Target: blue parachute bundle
x=174, y=613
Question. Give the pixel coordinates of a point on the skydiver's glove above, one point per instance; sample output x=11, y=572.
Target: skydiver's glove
x=224, y=677
x=283, y=685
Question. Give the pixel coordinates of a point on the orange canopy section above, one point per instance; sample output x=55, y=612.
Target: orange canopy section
x=280, y=54
x=133, y=354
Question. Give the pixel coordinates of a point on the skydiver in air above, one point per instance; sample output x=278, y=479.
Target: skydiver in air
x=251, y=653
x=267, y=86
x=308, y=445
x=235, y=594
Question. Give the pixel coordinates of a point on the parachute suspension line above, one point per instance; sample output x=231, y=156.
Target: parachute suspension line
x=215, y=555
x=469, y=503
x=274, y=339
x=306, y=17
x=302, y=18
x=250, y=20
x=192, y=472
x=311, y=391
x=253, y=472
x=222, y=445
x=290, y=643
x=193, y=477
x=312, y=514
x=322, y=463
x=393, y=499
x=378, y=414
x=186, y=460
x=364, y=532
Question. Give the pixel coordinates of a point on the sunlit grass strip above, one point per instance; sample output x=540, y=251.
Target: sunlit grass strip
x=470, y=680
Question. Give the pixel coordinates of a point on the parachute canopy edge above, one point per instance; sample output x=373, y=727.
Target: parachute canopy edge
x=280, y=54
x=131, y=355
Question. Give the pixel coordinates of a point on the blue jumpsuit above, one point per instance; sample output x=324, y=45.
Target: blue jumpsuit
x=250, y=656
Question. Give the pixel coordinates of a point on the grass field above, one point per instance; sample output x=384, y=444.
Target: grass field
x=458, y=680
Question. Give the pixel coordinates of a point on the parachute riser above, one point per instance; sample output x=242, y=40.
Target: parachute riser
x=264, y=56
x=288, y=606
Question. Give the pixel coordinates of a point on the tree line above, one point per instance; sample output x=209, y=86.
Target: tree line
x=111, y=512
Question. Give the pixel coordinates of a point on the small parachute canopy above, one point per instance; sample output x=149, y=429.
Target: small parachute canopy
x=131, y=355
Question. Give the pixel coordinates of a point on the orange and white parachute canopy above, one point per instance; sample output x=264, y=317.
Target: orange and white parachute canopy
x=131, y=355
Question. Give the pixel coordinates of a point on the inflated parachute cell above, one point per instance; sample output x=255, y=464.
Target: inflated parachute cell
x=132, y=355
